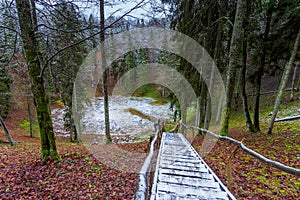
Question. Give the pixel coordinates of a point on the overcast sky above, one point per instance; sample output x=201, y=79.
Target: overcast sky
x=118, y=8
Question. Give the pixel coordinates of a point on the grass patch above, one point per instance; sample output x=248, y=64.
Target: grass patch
x=287, y=108
x=140, y=114
x=147, y=91
x=159, y=102
x=143, y=138
x=152, y=91
x=35, y=128
x=169, y=127
x=60, y=102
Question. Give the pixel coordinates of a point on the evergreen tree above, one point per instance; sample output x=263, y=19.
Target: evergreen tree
x=7, y=48
x=65, y=66
x=93, y=42
x=5, y=81
x=270, y=40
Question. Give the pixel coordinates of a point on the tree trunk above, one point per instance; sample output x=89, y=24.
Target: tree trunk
x=207, y=112
x=243, y=90
x=233, y=62
x=105, y=79
x=183, y=114
x=29, y=115
x=283, y=81
x=261, y=69
x=237, y=87
x=298, y=84
x=197, y=117
x=37, y=83
x=293, y=83
x=247, y=117
x=202, y=104
x=208, y=99
x=11, y=141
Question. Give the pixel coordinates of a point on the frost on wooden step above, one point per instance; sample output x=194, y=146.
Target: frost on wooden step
x=182, y=174
x=169, y=196
x=201, y=182
x=185, y=168
x=182, y=190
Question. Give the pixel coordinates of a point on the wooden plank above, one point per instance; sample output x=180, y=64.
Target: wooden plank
x=202, y=176
x=188, y=155
x=179, y=164
x=171, y=159
x=187, y=181
x=166, y=196
x=180, y=151
x=182, y=191
x=197, y=174
x=174, y=144
x=184, y=168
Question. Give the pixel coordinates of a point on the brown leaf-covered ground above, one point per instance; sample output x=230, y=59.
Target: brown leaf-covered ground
x=79, y=175
x=23, y=175
x=251, y=178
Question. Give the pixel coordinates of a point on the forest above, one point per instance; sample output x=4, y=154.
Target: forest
x=82, y=83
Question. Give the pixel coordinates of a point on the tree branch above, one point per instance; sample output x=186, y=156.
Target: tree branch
x=87, y=38
x=11, y=29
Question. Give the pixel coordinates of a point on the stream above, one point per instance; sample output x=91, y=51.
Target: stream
x=122, y=122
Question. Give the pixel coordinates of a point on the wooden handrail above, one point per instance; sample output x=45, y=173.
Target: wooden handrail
x=275, y=91
x=287, y=118
x=272, y=163
x=142, y=190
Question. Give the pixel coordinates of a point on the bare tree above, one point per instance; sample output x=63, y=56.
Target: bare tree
x=261, y=66
x=294, y=81
x=105, y=78
x=11, y=141
x=27, y=24
x=247, y=117
x=233, y=62
x=283, y=81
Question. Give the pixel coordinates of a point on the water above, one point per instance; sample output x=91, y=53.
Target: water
x=121, y=121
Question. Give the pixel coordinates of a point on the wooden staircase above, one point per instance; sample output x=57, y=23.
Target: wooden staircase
x=182, y=174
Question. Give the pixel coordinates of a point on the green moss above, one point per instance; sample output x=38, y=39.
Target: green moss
x=282, y=191
x=45, y=154
x=140, y=114
x=297, y=185
x=108, y=141
x=52, y=153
